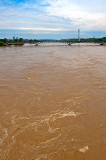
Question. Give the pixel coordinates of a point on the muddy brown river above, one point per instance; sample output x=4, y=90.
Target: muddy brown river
x=53, y=102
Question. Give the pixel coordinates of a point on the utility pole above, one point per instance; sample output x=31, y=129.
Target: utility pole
x=79, y=35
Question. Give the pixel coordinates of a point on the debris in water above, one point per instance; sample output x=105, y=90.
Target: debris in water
x=85, y=149
x=28, y=78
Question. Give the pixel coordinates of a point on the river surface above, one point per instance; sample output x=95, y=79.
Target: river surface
x=53, y=102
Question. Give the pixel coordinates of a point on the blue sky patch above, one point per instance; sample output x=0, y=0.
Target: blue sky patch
x=56, y=15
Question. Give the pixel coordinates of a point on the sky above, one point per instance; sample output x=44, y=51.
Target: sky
x=51, y=16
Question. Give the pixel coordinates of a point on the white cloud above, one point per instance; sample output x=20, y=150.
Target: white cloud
x=55, y=15
x=43, y=29
x=75, y=12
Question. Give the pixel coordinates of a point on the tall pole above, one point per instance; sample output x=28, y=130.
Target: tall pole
x=79, y=35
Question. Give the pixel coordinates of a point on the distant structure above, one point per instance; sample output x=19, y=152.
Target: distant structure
x=79, y=35
x=13, y=38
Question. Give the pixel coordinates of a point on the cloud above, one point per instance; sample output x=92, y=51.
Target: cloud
x=43, y=29
x=53, y=15
x=77, y=14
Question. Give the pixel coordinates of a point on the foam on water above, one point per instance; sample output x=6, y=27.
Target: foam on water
x=84, y=149
x=3, y=134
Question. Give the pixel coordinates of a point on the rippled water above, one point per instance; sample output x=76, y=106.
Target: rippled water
x=53, y=103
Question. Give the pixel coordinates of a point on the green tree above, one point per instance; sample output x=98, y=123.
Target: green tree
x=20, y=40
x=1, y=43
x=5, y=40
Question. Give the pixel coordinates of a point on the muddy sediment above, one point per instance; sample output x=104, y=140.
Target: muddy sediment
x=52, y=103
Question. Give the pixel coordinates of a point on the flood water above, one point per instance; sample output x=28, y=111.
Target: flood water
x=53, y=103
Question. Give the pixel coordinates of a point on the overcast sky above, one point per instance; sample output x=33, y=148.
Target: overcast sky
x=53, y=15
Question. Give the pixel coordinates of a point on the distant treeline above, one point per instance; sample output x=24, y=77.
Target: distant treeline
x=87, y=39
x=21, y=41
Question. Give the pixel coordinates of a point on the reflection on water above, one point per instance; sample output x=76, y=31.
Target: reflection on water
x=52, y=103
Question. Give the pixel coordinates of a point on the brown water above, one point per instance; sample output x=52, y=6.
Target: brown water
x=53, y=103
